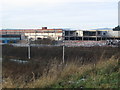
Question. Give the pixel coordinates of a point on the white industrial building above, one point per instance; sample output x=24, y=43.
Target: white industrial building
x=60, y=34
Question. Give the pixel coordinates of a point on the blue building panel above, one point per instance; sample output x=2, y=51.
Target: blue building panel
x=8, y=38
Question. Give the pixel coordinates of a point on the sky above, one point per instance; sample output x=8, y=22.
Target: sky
x=73, y=14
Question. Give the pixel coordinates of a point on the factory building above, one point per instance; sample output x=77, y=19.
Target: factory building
x=96, y=35
x=11, y=38
x=54, y=34
x=15, y=35
x=8, y=35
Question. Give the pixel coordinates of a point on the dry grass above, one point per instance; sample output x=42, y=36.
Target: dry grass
x=59, y=72
x=52, y=72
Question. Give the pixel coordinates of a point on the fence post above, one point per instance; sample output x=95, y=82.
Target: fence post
x=63, y=36
x=29, y=55
x=63, y=53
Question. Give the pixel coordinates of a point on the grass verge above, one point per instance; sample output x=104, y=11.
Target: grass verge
x=103, y=74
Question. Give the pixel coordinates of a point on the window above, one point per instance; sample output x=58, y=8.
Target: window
x=104, y=33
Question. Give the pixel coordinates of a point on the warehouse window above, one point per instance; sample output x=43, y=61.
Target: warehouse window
x=104, y=33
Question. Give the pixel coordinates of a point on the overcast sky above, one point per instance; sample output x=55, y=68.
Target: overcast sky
x=74, y=14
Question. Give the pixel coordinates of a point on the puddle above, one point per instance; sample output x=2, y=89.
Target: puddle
x=19, y=61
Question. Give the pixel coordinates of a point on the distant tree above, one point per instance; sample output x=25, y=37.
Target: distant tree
x=116, y=28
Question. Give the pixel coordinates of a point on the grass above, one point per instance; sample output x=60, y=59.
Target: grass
x=47, y=53
x=86, y=67
x=103, y=74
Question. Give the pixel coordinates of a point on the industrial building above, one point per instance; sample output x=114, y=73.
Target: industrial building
x=95, y=35
x=10, y=38
x=8, y=35
x=54, y=34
